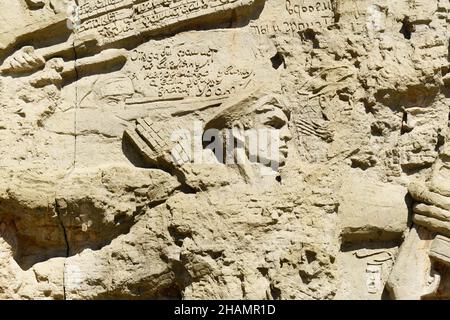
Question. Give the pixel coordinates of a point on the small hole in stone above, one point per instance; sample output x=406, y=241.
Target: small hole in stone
x=275, y=292
x=404, y=128
x=407, y=28
x=278, y=61
x=440, y=142
x=310, y=35
x=376, y=129
x=310, y=256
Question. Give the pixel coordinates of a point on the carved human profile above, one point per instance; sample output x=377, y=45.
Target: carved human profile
x=253, y=128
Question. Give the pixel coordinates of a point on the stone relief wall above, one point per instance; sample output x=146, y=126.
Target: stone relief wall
x=96, y=95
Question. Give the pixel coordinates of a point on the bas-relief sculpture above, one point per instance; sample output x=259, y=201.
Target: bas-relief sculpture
x=354, y=203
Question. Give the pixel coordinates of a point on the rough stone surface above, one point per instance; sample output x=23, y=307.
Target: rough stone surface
x=100, y=100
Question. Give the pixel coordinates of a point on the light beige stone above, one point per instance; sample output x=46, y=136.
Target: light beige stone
x=372, y=210
x=114, y=115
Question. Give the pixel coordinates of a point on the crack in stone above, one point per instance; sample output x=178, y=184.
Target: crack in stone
x=58, y=213
x=77, y=77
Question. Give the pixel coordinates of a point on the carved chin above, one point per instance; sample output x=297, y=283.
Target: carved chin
x=279, y=162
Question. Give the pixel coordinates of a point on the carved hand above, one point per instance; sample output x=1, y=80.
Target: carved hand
x=432, y=207
x=432, y=210
x=25, y=59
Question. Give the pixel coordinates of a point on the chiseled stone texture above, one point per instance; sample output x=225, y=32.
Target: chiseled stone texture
x=97, y=99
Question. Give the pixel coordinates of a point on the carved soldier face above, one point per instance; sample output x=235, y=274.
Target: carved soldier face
x=273, y=118
x=115, y=90
x=253, y=130
x=263, y=134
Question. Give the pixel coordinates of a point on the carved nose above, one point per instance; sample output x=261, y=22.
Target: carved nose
x=285, y=134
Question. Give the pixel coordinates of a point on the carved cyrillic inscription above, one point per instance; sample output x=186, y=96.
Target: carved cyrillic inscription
x=304, y=9
x=89, y=8
x=290, y=28
x=296, y=16
x=115, y=20
x=190, y=69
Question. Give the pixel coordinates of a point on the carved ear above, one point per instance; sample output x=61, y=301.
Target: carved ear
x=239, y=125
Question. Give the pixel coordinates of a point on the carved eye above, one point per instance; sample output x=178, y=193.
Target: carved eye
x=112, y=100
x=275, y=122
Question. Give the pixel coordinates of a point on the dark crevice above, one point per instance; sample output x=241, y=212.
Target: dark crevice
x=135, y=157
x=336, y=14
x=347, y=246
x=185, y=188
x=387, y=294
x=361, y=164
x=310, y=256
x=377, y=129
x=179, y=235
x=183, y=278
x=305, y=277
x=215, y=254
x=278, y=61
x=58, y=213
x=405, y=128
x=440, y=142
x=57, y=209
x=404, y=118
x=35, y=5
x=310, y=35
x=413, y=169
x=275, y=292
x=407, y=28
x=409, y=204
x=264, y=271
x=369, y=106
